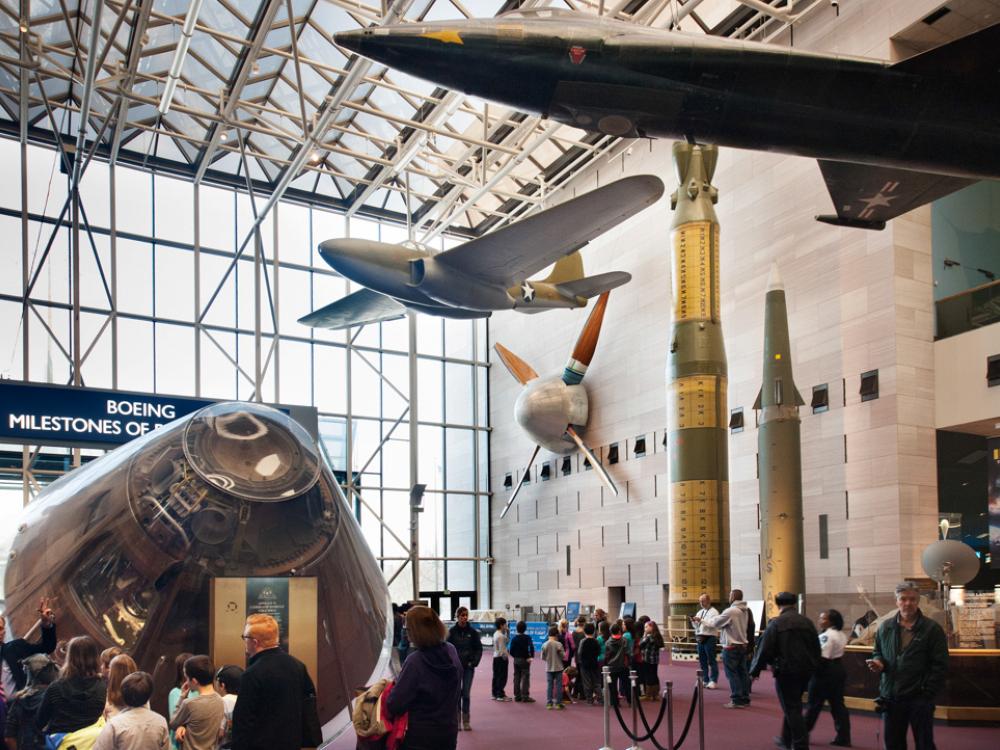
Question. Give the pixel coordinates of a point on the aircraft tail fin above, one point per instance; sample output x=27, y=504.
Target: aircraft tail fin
x=567, y=268
x=867, y=196
x=591, y=286
x=977, y=53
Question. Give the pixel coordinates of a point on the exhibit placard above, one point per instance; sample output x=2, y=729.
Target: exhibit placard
x=269, y=596
x=93, y=418
x=291, y=601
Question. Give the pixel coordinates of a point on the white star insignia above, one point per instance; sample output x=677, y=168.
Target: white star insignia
x=527, y=292
x=877, y=200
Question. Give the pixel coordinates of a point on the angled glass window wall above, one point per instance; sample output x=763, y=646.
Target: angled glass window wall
x=171, y=304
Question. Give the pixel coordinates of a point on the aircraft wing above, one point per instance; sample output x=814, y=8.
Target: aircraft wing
x=361, y=307
x=517, y=251
x=866, y=197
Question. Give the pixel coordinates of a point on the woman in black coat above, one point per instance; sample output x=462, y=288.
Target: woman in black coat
x=429, y=685
x=76, y=699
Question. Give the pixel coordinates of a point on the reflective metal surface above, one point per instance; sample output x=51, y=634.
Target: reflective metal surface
x=129, y=543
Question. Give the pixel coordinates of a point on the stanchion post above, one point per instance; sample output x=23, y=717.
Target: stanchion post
x=668, y=696
x=633, y=678
x=606, y=692
x=701, y=710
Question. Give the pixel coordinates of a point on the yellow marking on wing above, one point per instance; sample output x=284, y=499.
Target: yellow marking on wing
x=447, y=36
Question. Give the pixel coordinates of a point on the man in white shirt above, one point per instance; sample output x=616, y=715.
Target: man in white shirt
x=732, y=625
x=828, y=682
x=707, y=638
x=501, y=662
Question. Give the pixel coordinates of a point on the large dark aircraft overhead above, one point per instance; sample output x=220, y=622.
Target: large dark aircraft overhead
x=889, y=137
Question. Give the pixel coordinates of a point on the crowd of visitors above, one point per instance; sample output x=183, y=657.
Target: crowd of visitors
x=88, y=699
x=63, y=694
x=801, y=659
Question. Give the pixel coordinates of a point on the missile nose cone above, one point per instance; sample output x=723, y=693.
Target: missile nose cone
x=774, y=282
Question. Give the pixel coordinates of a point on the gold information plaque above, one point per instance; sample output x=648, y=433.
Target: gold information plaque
x=291, y=601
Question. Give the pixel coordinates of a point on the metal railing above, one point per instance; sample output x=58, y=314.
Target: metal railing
x=666, y=711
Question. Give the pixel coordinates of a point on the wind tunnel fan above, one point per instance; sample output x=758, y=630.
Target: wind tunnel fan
x=554, y=410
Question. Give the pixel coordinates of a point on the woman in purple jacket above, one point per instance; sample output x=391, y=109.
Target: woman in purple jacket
x=428, y=685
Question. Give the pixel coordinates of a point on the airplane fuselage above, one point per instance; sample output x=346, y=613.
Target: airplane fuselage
x=631, y=81
x=388, y=269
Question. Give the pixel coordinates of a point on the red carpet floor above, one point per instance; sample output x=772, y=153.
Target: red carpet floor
x=579, y=727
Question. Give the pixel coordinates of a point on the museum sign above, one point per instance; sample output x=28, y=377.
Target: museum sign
x=87, y=417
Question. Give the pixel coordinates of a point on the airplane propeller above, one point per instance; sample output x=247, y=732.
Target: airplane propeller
x=572, y=375
x=521, y=370
x=583, y=352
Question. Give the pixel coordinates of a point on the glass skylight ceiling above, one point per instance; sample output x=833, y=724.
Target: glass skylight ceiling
x=259, y=77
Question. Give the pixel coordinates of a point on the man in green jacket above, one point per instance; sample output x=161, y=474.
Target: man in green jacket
x=911, y=654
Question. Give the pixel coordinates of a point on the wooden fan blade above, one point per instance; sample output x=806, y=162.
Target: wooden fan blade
x=521, y=370
x=586, y=344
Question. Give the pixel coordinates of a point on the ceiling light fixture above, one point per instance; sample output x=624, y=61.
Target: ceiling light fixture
x=187, y=31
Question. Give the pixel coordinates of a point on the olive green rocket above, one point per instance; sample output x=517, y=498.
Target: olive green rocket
x=696, y=391
x=779, y=456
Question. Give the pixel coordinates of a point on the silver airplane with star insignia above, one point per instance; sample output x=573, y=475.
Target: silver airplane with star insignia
x=487, y=273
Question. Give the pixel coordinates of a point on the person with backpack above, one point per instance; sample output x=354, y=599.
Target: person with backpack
x=587, y=654
x=22, y=727
x=14, y=651
x=616, y=656
x=790, y=646
x=76, y=699
x=554, y=657
x=467, y=643
x=429, y=685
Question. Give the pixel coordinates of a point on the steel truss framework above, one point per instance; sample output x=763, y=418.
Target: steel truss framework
x=266, y=104
x=259, y=376
x=264, y=79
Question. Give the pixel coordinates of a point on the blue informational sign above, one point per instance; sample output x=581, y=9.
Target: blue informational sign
x=539, y=632
x=88, y=417
x=572, y=611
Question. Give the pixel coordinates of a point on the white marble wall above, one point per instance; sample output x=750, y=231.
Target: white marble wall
x=857, y=301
